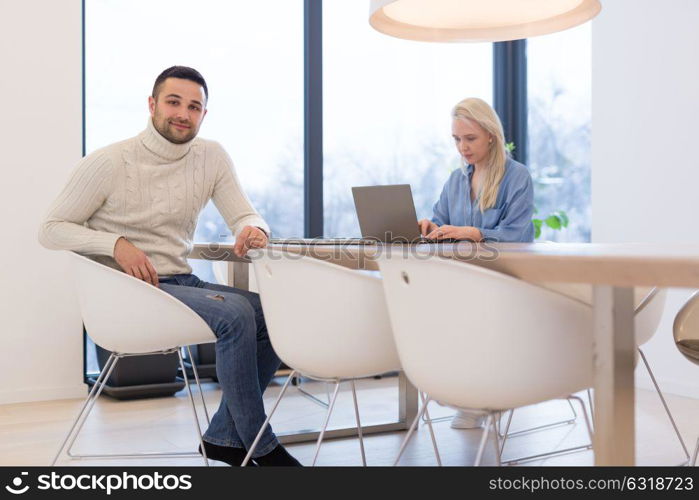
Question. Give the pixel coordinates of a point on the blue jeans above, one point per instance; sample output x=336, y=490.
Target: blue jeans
x=245, y=360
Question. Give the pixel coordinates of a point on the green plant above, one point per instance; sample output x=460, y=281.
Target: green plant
x=557, y=221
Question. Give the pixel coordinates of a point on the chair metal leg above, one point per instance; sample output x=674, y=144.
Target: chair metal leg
x=327, y=420
x=693, y=461
x=410, y=431
x=592, y=407
x=359, y=424
x=662, y=400
x=269, y=417
x=310, y=396
x=573, y=449
x=95, y=396
x=496, y=439
x=584, y=412
x=507, y=430
x=437, y=419
x=484, y=439
x=559, y=452
x=201, y=392
x=194, y=408
x=95, y=388
x=91, y=401
x=507, y=434
x=569, y=421
x=429, y=426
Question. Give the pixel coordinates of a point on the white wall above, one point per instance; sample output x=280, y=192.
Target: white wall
x=40, y=140
x=645, y=124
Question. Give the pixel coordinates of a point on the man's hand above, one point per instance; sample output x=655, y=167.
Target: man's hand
x=455, y=233
x=249, y=237
x=134, y=262
x=426, y=226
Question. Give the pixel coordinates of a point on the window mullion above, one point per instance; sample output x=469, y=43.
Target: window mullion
x=510, y=92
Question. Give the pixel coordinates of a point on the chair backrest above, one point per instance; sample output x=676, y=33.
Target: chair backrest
x=126, y=315
x=649, y=304
x=686, y=329
x=324, y=320
x=476, y=338
x=648, y=312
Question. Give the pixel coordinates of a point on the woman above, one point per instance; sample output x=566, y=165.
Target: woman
x=490, y=198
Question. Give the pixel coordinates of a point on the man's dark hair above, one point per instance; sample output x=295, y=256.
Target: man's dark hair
x=180, y=72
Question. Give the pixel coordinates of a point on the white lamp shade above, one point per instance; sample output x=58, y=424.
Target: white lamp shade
x=477, y=20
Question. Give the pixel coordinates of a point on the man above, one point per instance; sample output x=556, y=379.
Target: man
x=133, y=205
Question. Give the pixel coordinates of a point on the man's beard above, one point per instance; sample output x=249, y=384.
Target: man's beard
x=163, y=127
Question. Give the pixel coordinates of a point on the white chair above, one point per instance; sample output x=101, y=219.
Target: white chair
x=130, y=318
x=649, y=306
x=472, y=338
x=326, y=322
x=686, y=334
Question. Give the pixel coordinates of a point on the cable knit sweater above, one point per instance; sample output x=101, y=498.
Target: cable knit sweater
x=150, y=191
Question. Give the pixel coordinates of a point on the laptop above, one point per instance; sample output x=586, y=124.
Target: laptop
x=386, y=214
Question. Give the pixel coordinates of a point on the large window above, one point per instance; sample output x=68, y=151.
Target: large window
x=387, y=106
x=253, y=64
x=559, y=82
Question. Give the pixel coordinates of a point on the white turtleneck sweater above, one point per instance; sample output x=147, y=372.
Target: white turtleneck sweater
x=150, y=191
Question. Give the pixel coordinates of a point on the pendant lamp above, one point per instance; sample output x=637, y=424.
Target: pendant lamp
x=477, y=20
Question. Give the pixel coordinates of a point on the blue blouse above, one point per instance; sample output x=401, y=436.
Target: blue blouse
x=510, y=220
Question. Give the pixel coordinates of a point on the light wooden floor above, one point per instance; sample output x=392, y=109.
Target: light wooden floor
x=30, y=433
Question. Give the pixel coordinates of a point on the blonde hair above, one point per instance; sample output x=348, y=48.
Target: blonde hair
x=480, y=112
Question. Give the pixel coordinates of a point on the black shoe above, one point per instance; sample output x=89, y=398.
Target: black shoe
x=228, y=454
x=278, y=457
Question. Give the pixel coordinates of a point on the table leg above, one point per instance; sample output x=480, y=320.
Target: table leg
x=239, y=275
x=407, y=400
x=407, y=409
x=614, y=351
